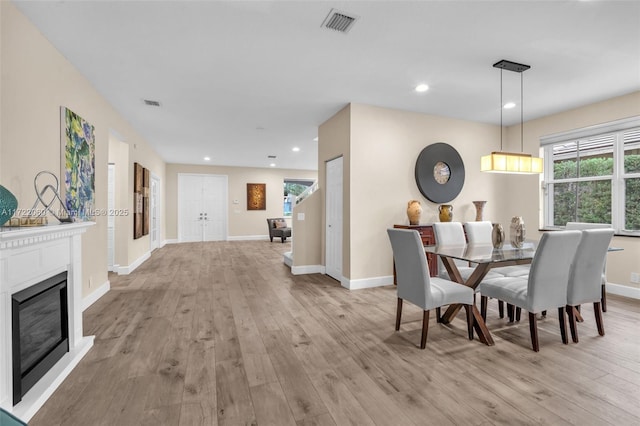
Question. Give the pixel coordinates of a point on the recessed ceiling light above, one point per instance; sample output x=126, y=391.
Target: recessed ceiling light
x=295, y=149
x=207, y=158
x=272, y=165
x=422, y=88
x=509, y=105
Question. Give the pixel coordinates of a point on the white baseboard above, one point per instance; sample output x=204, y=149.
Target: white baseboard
x=367, y=282
x=623, y=290
x=97, y=294
x=126, y=270
x=171, y=241
x=288, y=259
x=250, y=238
x=307, y=269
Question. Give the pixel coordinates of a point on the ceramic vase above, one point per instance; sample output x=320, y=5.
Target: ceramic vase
x=414, y=210
x=497, y=236
x=517, y=231
x=479, y=209
x=8, y=205
x=446, y=212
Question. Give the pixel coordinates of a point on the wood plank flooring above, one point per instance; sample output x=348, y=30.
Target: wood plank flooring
x=221, y=333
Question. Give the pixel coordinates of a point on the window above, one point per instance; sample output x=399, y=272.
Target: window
x=293, y=188
x=593, y=175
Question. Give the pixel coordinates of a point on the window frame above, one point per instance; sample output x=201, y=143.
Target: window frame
x=618, y=177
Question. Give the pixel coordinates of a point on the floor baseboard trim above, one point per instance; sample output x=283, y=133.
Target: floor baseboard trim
x=171, y=241
x=307, y=269
x=623, y=290
x=97, y=294
x=126, y=270
x=249, y=238
x=367, y=282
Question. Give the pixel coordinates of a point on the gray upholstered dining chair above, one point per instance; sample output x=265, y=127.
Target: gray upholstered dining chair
x=584, y=277
x=546, y=285
x=416, y=286
x=452, y=233
x=586, y=225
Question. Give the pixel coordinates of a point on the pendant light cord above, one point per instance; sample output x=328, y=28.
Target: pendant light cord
x=501, y=110
x=521, y=113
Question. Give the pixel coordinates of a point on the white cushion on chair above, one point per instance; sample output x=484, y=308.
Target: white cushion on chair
x=546, y=285
x=585, y=282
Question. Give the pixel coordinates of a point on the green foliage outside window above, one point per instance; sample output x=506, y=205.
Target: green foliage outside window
x=591, y=201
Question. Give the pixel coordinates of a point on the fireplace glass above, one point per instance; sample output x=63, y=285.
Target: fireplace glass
x=40, y=331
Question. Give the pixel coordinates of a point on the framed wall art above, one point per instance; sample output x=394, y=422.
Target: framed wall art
x=141, y=181
x=78, y=165
x=256, y=196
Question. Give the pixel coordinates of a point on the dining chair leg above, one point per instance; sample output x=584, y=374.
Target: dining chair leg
x=483, y=307
x=510, y=314
x=425, y=328
x=533, y=328
x=398, y=313
x=572, y=324
x=563, y=325
x=518, y=313
x=603, y=298
x=438, y=316
x=598, y=312
x=469, y=320
x=500, y=308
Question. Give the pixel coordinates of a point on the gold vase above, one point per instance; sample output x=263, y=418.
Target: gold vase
x=446, y=212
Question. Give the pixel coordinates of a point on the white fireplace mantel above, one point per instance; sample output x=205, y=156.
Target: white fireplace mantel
x=27, y=257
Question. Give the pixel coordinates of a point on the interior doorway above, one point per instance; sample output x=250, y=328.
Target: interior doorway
x=154, y=212
x=333, y=215
x=202, y=207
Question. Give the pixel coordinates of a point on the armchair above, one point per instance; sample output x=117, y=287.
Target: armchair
x=278, y=228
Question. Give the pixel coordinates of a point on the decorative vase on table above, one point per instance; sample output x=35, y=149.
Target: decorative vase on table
x=446, y=212
x=414, y=211
x=8, y=205
x=497, y=236
x=479, y=209
x=517, y=231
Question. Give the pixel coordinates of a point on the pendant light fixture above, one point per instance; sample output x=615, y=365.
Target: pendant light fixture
x=509, y=162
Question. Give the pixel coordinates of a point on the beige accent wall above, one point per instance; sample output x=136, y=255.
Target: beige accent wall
x=525, y=194
x=385, y=144
x=36, y=80
x=306, y=244
x=241, y=222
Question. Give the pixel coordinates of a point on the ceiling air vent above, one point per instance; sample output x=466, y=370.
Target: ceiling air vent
x=271, y=156
x=151, y=103
x=339, y=21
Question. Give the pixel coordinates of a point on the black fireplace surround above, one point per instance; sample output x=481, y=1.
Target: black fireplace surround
x=40, y=335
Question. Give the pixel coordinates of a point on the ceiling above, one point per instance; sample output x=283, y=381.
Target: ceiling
x=239, y=81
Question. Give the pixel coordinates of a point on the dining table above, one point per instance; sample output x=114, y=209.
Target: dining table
x=485, y=257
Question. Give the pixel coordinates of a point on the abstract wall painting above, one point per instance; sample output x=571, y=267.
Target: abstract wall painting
x=256, y=196
x=78, y=165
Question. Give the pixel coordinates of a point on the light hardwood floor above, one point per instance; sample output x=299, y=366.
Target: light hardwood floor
x=222, y=334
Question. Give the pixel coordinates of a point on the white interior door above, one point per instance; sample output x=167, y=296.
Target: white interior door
x=202, y=208
x=111, y=223
x=153, y=213
x=214, y=192
x=333, y=231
